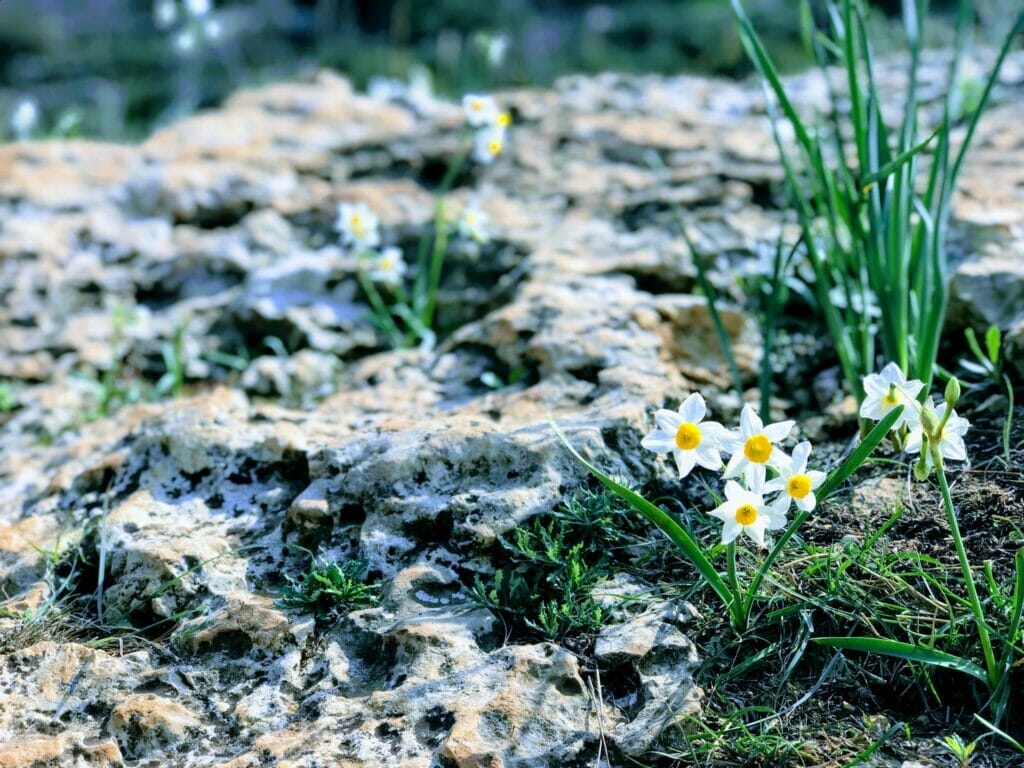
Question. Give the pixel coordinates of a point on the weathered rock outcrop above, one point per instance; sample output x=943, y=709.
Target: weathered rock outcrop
x=212, y=243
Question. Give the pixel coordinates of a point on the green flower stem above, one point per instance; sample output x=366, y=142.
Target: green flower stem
x=380, y=309
x=734, y=582
x=965, y=565
x=424, y=292
x=774, y=552
x=436, y=263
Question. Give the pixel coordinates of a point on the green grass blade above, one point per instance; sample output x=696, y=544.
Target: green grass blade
x=668, y=525
x=895, y=164
x=1016, y=612
x=1001, y=733
x=860, y=454
x=906, y=651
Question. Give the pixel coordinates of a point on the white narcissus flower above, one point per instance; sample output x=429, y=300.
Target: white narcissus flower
x=753, y=447
x=198, y=7
x=25, y=118
x=796, y=482
x=473, y=224
x=745, y=511
x=686, y=435
x=951, y=439
x=481, y=111
x=488, y=144
x=185, y=41
x=358, y=225
x=388, y=267
x=165, y=13
x=884, y=391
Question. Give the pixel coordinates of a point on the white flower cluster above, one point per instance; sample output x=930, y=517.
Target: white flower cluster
x=753, y=451
x=196, y=20
x=490, y=126
x=931, y=429
x=360, y=231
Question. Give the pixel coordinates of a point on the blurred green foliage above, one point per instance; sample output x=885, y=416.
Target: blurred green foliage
x=105, y=68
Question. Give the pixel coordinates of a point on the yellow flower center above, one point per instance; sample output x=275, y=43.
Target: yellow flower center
x=494, y=147
x=758, y=448
x=798, y=486
x=504, y=119
x=470, y=218
x=746, y=514
x=890, y=398
x=476, y=105
x=688, y=436
x=357, y=225
x=385, y=264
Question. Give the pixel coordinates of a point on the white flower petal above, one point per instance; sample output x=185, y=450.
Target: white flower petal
x=779, y=431
x=693, y=408
x=725, y=511
x=734, y=492
x=817, y=478
x=798, y=461
x=708, y=457
x=731, y=442
x=914, y=440
x=685, y=461
x=893, y=374
x=808, y=502
x=750, y=422
x=756, y=531
x=659, y=442
x=736, y=465
x=667, y=420
x=754, y=474
x=730, y=531
x=953, y=448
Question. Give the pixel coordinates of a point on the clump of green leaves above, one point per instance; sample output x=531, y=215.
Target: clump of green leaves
x=329, y=587
x=554, y=563
x=873, y=212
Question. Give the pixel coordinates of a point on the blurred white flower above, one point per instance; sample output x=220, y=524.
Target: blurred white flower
x=473, y=224
x=488, y=144
x=684, y=435
x=185, y=40
x=165, y=13
x=358, y=225
x=25, y=118
x=213, y=29
x=496, y=49
x=198, y=7
x=388, y=267
x=481, y=111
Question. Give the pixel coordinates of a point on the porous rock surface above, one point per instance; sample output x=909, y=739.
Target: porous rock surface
x=216, y=235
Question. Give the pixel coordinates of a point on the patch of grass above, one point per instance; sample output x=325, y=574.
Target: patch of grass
x=544, y=584
x=330, y=588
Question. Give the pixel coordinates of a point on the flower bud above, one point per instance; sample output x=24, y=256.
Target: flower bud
x=929, y=421
x=952, y=393
x=921, y=465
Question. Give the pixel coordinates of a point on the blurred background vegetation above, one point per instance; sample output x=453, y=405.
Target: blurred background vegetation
x=117, y=68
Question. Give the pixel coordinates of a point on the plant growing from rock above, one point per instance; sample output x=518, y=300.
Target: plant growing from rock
x=406, y=315
x=873, y=213
x=329, y=588
x=554, y=564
